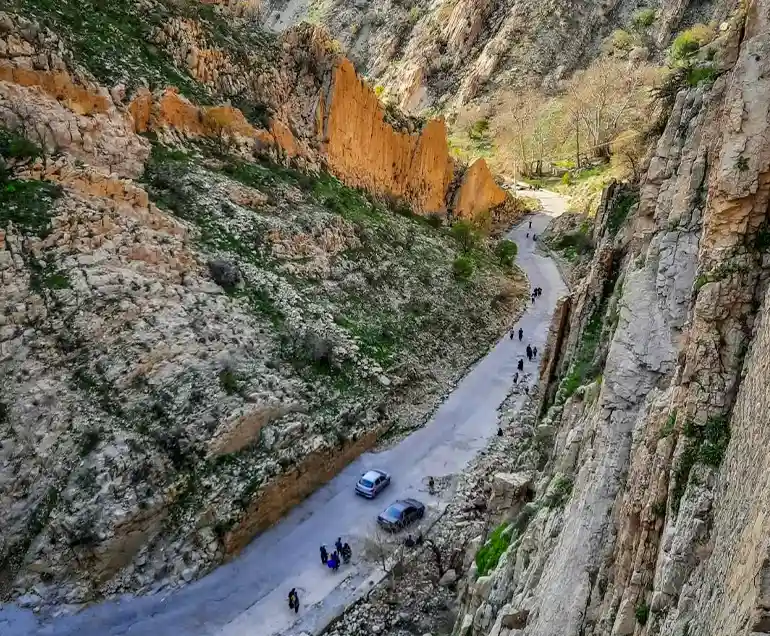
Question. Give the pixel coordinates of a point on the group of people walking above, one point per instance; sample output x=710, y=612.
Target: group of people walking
x=537, y=291
x=341, y=554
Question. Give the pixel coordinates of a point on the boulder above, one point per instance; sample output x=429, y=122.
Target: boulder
x=225, y=273
x=449, y=578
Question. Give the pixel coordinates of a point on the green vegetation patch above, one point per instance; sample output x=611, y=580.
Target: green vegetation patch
x=28, y=204
x=112, y=38
x=559, y=492
x=489, y=554
x=704, y=444
x=583, y=369
x=619, y=211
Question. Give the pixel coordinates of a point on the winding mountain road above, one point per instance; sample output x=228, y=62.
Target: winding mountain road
x=248, y=597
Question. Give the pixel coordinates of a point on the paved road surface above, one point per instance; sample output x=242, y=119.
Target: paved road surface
x=247, y=597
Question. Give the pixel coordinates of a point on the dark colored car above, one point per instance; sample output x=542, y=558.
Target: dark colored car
x=371, y=483
x=400, y=514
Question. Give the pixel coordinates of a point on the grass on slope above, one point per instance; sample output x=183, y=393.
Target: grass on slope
x=114, y=39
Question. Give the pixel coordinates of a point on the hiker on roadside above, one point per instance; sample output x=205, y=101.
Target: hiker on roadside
x=527, y=234
x=335, y=561
x=431, y=485
x=347, y=553
x=294, y=600
x=533, y=299
x=409, y=541
x=521, y=364
x=534, y=352
x=324, y=555
x=521, y=334
x=512, y=335
x=534, y=237
x=529, y=353
x=516, y=378
x=338, y=545
x=499, y=432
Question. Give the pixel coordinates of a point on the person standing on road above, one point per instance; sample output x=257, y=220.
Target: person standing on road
x=521, y=334
x=347, y=553
x=324, y=555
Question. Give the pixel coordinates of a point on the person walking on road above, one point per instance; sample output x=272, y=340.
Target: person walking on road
x=338, y=545
x=294, y=600
x=512, y=335
x=529, y=353
x=347, y=553
x=516, y=378
x=521, y=365
x=521, y=334
x=534, y=352
x=324, y=555
x=530, y=225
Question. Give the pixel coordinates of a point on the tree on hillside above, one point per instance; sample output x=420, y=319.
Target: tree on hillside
x=465, y=234
x=606, y=99
x=506, y=251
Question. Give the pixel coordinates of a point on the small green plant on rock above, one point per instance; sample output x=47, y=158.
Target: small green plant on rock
x=559, y=492
x=642, y=612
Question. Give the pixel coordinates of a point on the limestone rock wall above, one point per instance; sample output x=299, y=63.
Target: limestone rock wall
x=655, y=417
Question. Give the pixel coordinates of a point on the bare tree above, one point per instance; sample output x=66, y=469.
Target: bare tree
x=384, y=548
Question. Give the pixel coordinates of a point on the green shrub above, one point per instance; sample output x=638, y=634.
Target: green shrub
x=379, y=90
x=566, y=179
x=643, y=18
x=622, y=40
x=463, y=268
x=716, y=437
x=479, y=129
x=506, y=251
x=701, y=74
x=688, y=42
x=642, y=613
x=228, y=381
x=489, y=554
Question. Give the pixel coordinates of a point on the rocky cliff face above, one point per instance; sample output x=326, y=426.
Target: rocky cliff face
x=651, y=509
x=444, y=54
x=194, y=335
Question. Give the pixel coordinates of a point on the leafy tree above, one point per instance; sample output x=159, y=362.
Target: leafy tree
x=465, y=234
x=506, y=251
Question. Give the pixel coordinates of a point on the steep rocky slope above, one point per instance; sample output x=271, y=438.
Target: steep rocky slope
x=446, y=53
x=193, y=334
x=650, y=510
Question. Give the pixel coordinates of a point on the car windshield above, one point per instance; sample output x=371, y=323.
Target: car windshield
x=394, y=512
x=366, y=483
